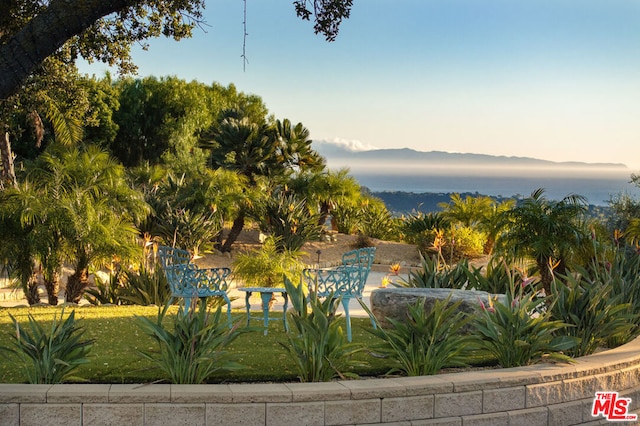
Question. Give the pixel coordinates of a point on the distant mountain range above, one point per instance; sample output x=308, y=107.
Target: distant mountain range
x=340, y=156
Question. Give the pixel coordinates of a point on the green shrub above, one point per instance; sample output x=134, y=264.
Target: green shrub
x=268, y=266
x=418, y=228
x=435, y=273
x=595, y=314
x=50, y=355
x=145, y=288
x=520, y=331
x=497, y=277
x=426, y=342
x=377, y=222
x=193, y=349
x=317, y=343
x=105, y=291
x=289, y=220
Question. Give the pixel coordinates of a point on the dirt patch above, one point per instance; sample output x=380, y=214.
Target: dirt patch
x=387, y=252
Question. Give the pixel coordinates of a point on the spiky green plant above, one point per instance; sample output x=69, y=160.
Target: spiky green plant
x=427, y=341
x=193, y=348
x=594, y=312
x=316, y=343
x=520, y=330
x=50, y=355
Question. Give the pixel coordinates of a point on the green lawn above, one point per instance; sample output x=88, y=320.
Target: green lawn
x=116, y=334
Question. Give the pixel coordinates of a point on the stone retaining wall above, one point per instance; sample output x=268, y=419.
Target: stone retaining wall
x=536, y=395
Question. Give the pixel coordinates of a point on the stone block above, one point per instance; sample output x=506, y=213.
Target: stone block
x=260, y=392
x=580, y=388
x=458, y=404
x=374, y=388
x=23, y=393
x=250, y=414
x=201, y=393
x=393, y=302
x=425, y=385
x=322, y=391
x=174, y=414
x=528, y=417
x=9, y=414
x=407, y=408
x=352, y=412
x=51, y=414
x=112, y=414
x=78, y=393
x=493, y=419
x=568, y=413
x=503, y=399
x=295, y=413
x=129, y=394
x=544, y=394
x=451, y=421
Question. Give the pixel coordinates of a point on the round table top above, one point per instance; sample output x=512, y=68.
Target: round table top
x=263, y=289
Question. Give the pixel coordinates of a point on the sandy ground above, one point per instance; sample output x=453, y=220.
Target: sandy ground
x=387, y=252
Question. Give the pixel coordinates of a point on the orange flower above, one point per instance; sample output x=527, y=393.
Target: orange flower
x=395, y=268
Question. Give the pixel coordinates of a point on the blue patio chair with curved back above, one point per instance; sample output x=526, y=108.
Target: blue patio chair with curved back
x=346, y=281
x=187, y=281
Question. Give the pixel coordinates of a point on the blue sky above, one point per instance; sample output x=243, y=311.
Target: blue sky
x=549, y=79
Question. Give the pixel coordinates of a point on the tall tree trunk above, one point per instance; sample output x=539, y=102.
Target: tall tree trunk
x=52, y=284
x=7, y=174
x=545, y=275
x=76, y=284
x=32, y=295
x=234, y=233
x=45, y=34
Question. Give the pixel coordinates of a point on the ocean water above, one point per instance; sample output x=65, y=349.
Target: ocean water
x=597, y=186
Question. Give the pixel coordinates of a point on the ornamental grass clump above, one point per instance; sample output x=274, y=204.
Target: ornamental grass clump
x=194, y=348
x=427, y=341
x=50, y=355
x=316, y=343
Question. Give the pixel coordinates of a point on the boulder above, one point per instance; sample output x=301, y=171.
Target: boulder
x=392, y=302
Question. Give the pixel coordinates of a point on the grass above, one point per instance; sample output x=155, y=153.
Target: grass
x=116, y=334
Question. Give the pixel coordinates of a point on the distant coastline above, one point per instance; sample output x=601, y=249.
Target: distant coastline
x=434, y=173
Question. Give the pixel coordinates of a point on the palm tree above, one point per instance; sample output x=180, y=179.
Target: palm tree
x=546, y=231
x=467, y=212
x=256, y=149
x=327, y=189
x=89, y=211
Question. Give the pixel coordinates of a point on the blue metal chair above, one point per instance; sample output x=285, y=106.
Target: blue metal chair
x=188, y=281
x=346, y=281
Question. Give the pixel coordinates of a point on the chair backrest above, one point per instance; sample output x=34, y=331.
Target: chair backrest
x=361, y=259
x=175, y=263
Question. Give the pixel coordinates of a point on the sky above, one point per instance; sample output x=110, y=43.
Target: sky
x=551, y=79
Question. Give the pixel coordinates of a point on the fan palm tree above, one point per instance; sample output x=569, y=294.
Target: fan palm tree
x=546, y=231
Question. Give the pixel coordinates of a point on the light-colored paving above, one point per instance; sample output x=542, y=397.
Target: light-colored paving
x=374, y=281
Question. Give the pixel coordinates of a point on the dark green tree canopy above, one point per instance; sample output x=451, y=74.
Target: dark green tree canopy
x=104, y=30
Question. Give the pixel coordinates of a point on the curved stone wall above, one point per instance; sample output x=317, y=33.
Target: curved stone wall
x=542, y=394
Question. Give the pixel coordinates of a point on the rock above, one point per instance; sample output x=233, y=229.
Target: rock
x=392, y=302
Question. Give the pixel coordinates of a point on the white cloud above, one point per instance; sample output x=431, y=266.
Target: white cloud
x=353, y=145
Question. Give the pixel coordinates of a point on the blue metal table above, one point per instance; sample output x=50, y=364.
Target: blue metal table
x=266, y=293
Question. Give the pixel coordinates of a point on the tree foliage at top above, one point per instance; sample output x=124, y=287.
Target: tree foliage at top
x=31, y=31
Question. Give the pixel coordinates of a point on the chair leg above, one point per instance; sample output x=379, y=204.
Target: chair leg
x=345, y=306
x=187, y=304
x=228, y=302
